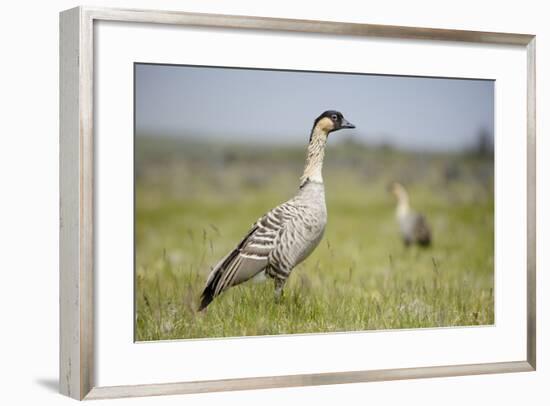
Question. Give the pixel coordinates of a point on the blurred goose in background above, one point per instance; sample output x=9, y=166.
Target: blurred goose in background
x=413, y=226
x=286, y=235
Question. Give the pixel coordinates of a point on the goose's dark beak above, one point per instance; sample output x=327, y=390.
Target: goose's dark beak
x=346, y=124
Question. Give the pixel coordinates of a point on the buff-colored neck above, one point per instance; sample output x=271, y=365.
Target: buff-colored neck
x=403, y=206
x=315, y=155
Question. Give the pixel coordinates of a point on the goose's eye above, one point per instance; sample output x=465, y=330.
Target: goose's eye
x=334, y=117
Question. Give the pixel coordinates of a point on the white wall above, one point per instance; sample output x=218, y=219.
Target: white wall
x=29, y=198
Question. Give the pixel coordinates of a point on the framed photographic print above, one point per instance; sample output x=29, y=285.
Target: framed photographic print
x=300, y=202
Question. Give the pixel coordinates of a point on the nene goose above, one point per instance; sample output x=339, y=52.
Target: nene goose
x=286, y=235
x=413, y=226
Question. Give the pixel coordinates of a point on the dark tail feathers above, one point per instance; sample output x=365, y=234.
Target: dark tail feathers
x=208, y=292
x=206, y=297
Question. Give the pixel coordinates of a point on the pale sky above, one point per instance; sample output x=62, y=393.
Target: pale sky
x=264, y=106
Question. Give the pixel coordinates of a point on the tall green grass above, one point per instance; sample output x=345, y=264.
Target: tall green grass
x=193, y=207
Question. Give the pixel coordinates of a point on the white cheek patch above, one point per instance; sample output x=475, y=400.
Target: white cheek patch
x=325, y=124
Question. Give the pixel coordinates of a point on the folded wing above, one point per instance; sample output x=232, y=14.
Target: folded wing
x=249, y=258
x=422, y=232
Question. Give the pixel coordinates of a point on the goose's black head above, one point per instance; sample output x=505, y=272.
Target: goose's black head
x=331, y=120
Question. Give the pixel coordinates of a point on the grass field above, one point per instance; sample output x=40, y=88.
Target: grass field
x=194, y=202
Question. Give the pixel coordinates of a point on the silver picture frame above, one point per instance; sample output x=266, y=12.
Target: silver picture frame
x=76, y=374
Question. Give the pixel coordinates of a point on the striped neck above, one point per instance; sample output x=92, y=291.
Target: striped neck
x=315, y=155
